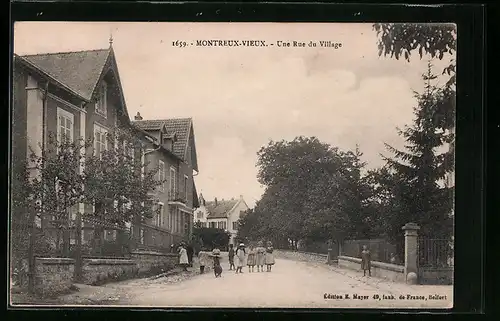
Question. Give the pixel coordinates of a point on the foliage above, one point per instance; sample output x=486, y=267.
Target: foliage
x=313, y=191
x=51, y=183
x=120, y=186
x=211, y=237
x=401, y=39
x=412, y=176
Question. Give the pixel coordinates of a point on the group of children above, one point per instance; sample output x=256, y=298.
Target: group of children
x=255, y=256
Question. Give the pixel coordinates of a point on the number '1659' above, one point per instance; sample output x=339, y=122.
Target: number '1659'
x=179, y=43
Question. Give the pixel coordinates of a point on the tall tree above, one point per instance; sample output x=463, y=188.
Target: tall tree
x=357, y=194
x=118, y=184
x=420, y=168
x=55, y=185
x=313, y=192
x=290, y=170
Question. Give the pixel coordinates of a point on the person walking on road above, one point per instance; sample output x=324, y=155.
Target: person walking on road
x=216, y=261
x=231, y=257
x=251, y=258
x=260, y=256
x=269, y=259
x=203, y=260
x=366, y=261
x=183, y=257
x=241, y=255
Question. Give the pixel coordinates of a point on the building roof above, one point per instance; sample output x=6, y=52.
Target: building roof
x=222, y=209
x=153, y=124
x=180, y=127
x=79, y=70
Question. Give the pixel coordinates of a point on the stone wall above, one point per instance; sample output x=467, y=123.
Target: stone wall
x=53, y=275
x=387, y=271
x=150, y=263
x=301, y=256
x=99, y=271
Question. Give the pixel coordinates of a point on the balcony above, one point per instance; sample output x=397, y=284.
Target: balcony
x=176, y=198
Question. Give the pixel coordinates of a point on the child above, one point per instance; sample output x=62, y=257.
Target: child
x=393, y=258
x=231, y=257
x=366, y=261
x=183, y=258
x=203, y=260
x=269, y=259
x=260, y=257
x=217, y=266
x=240, y=254
x=251, y=258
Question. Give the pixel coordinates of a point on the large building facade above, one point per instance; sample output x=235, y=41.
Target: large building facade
x=79, y=95
x=174, y=154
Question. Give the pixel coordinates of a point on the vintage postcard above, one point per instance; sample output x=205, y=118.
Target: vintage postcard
x=248, y=165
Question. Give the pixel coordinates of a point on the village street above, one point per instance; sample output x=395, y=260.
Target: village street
x=290, y=284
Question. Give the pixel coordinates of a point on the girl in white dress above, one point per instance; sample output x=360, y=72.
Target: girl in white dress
x=241, y=255
x=183, y=258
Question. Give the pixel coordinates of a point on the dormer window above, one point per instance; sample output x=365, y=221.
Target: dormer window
x=101, y=105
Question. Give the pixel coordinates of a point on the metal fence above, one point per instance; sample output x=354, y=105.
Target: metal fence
x=150, y=237
x=435, y=253
x=380, y=250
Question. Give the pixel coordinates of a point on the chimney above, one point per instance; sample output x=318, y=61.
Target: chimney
x=241, y=196
x=138, y=116
x=215, y=201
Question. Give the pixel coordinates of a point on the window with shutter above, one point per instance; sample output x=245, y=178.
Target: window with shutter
x=161, y=175
x=65, y=126
x=100, y=140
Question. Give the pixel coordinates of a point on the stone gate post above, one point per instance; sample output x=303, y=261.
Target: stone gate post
x=411, y=252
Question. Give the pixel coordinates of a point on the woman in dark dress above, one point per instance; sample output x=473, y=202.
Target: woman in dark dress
x=190, y=253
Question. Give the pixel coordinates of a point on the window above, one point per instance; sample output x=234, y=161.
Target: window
x=235, y=225
x=141, y=233
x=212, y=224
x=101, y=106
x=161, y=174
x=159, y=216
x=173, y=180
x=186, y=187
x=65, y=121
x=199, y=215
x=100, y=139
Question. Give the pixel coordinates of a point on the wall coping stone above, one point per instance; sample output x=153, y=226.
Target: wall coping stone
x=154, y=253
x=382, y=265
x=301, y=252
x=55, y=260
x=109, y=262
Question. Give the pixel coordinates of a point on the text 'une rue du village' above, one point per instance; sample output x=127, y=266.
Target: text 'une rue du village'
x=258, y=43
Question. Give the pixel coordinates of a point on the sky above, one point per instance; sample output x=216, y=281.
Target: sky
x=240, y=98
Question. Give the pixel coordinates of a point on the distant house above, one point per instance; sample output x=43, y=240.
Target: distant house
x=223, y=214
